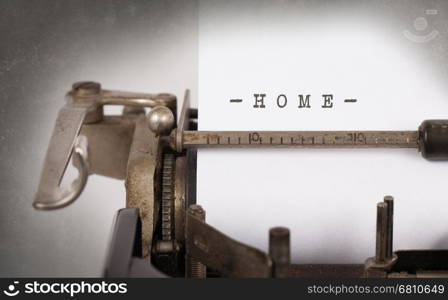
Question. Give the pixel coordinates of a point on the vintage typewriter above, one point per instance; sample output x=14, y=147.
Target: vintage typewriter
x=162, y=231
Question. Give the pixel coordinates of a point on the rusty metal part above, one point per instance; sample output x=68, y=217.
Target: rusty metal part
x=84, y=105
x=194, y=268
x=165, y=247
x=86, y=88
x=179, y=199
x=300, y=139
x=142, y=181
x=109, y=144
x=159, y=181
x=89, y=92
x=112, y=97
x=280, y=250
x=219, y=252
x=133, y=110
x=84, y=91
x=170, y=230
x=181, y=176
x=167, y=205
x=382, y=234
x=384, y=259
x=389, y=200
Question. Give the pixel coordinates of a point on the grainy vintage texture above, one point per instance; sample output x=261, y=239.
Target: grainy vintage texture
x=46, y=45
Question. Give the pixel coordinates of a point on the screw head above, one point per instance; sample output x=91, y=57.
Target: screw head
x=86, y=87
x=197, y=211
x=161, y=120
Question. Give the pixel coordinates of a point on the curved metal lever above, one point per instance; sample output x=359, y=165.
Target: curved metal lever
x=84, y=105
x=58, y=197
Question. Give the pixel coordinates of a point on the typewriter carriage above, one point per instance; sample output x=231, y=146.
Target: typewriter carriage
x=162, y=231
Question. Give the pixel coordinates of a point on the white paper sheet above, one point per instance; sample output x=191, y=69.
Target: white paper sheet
x=326, y=197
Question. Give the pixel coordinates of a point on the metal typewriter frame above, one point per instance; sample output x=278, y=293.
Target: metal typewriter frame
x=162, y=232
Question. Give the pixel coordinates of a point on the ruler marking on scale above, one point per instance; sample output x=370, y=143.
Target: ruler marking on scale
x=356, y=139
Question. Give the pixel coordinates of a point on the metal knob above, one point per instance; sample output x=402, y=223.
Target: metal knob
x=161, y=120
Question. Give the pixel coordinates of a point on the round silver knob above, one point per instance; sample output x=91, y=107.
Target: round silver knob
x=161, y=120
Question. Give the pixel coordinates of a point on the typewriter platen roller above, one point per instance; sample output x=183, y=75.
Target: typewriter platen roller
x=162, y=231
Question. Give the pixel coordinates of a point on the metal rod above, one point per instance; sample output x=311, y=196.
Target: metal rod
x=389, y=200
x=381, y=232
x=279, y=250
x=109, y=97
x=300, y=139
x=194, y=268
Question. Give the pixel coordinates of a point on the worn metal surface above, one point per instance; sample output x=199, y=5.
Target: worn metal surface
x=161, y=120
x=179, y=199
x=280, y=250
x=184, y=117
x=167, y=200
x=50, y=195
x=181, y=175
x=109, y=144
x=158, y=181
x=219, y=252
x=84, y=105
x=194, y=268
x=384, y=259
x=301, y=139
x=88, y=91
x=142, y=182
x=112, y=97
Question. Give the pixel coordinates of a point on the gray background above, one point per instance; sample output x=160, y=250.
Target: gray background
x=148, y=46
